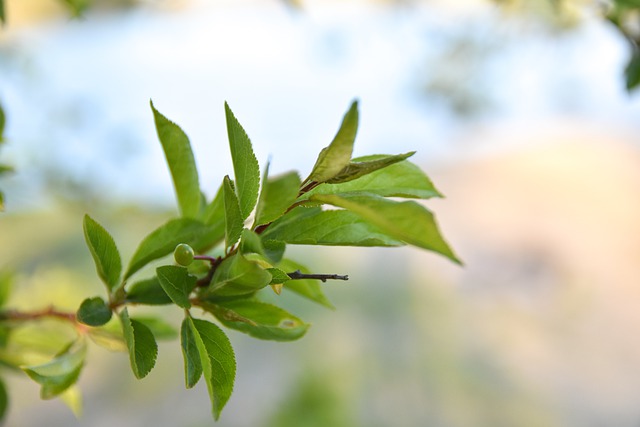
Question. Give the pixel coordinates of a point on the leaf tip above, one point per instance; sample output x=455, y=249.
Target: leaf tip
x=227, y=109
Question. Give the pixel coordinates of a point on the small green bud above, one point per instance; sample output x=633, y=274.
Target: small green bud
x=183, y=254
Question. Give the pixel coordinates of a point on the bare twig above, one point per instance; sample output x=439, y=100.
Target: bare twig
x=298, y=275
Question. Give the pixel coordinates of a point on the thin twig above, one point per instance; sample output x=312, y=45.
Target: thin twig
x=214, y=262
x=298, y=275
x=39, y=314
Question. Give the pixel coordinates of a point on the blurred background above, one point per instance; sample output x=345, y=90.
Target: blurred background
x=519, y=113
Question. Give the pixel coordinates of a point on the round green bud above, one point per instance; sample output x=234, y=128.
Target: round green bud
x=183, y=254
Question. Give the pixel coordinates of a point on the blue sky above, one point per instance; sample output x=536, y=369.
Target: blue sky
x=77, y=92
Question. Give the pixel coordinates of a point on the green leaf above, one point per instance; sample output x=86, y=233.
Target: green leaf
x=277, y=276
x=245, y=164
x=148, y=291
x=628, y=3
x=104, y=252
x=407, y=221
x=274, y=250
x=182, y=165
x=1, y=201
x=268, y=322
x=402, y=179
x=94, y=312
x=141, y=343
x=177, y=283
x=233, y=217
x=192, y=363
x=218, y=362
x=336, y=156
x=6, y=285
x=72, y=397
x=60, y=373
x=214, y=211
x=250, y=243
x=277, y=195
x=310, y=289
x=4, y=395
x=163, y=240
x=632, y=71
x=356, y=169
x=236, y=275
x=108, y=338
x=77, y=7
x=313, y=226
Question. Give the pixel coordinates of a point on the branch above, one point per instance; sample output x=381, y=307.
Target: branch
x=35, y=315
x=214, y=262
x=298, y=275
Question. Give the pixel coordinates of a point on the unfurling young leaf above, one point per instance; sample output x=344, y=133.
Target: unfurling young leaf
x=245, y=164
x=356, y=169
x=60, y=373
x=177, y=283
x=336, y=156
x=266, y=321
x=163, y=240
x=141, y=343
x=232, y=214
x=94, y=312
x=402, y=179
x=409, y=221
x=104, y=252
x=217, y=359
x=182, y=165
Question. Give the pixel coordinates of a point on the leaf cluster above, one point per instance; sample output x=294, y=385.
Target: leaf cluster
x=231, y=248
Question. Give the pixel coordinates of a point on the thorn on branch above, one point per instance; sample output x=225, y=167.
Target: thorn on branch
x=298, y=275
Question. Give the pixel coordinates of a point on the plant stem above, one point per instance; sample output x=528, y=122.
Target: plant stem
x=298, y=275
x=50, y=312
x=214, y=262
